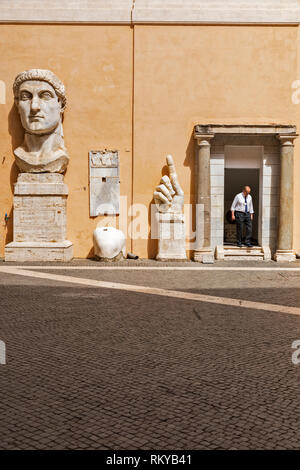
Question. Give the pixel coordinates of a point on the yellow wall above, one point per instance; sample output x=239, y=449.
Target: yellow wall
x=95, y=64
x=206, y=74
x=183, y=75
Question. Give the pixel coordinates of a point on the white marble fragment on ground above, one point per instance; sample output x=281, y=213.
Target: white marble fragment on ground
x=109, y=243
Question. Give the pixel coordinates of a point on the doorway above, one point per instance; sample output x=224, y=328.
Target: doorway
x=244, y=153
x=234, y=181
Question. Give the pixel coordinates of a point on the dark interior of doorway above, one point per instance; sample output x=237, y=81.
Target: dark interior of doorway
x=235, y=180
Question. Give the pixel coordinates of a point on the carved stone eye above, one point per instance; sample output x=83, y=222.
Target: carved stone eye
x=46, y=95
x=25, y=95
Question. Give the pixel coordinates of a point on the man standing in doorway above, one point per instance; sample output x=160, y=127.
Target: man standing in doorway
x=242, y=212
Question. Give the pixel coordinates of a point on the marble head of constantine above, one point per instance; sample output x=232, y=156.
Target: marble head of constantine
x=41, y=100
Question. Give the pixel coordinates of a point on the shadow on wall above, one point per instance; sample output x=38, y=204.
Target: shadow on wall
x=15, y=128
x=91, y=253
x=153, y=242
x=152, y=247
x=16, y=132
x=190, y=162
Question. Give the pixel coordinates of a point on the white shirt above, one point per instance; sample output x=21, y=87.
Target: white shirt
x=240, y=205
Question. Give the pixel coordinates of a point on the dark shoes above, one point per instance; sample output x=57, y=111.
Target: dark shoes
x=249, y=245
x=239, y=245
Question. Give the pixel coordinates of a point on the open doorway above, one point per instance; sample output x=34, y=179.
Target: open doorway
x=235, y=180
x=241, y=148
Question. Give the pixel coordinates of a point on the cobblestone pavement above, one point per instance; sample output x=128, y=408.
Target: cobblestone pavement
x=94, y=368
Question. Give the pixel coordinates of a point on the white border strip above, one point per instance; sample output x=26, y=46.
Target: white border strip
x=151, y=268
x=275, y=308
x=151, y=12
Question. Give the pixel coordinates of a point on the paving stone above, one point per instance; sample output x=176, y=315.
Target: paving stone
x=122, y=370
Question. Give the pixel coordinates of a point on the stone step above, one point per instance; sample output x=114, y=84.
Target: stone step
x=243, y=253
x=228, y=252
x=235, y=247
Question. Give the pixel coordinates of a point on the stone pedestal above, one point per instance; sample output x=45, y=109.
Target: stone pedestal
x=284, y=250
x=39, y=219
x=204, y=255
x=171, y=242
x=285, y=255
x=203, y=251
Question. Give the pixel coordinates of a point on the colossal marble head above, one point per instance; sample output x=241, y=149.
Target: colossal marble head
x=41, y=100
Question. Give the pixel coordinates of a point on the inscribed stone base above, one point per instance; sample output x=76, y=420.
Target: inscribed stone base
x=171, y=243
x=39, y=219
x=38, y=251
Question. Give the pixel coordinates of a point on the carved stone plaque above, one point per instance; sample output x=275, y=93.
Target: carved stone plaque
x=104, y=182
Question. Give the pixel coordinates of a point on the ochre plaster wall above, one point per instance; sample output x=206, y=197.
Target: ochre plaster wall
x=95, y=64
x=206, y=74
x=180, y=75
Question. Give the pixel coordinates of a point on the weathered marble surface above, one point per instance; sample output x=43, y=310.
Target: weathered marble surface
x=169, y=200
x=233, y=253
x=154, y=11
x=203, y=251
x=168, y=195
x=44, y=183
x=284, y=250
x=66, y=11
x=41, y=100
x=40, y=195
x=285, y=255
x=104, y=182
x=171, y=243
x=216, y=11
x=38, y=251
x=39, y=219
x=109, y=244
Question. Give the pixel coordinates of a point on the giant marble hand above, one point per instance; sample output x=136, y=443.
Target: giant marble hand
x=168, y=195
x=40, y=99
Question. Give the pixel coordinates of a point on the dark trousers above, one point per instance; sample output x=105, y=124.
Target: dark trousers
x=242, y=218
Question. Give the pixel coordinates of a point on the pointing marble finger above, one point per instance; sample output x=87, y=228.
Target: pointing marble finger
x=161, y=197
x=166, y=181
x=163, y=189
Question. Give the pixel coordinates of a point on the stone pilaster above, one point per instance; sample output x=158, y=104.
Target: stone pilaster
x=203, y=251
x=285, y=250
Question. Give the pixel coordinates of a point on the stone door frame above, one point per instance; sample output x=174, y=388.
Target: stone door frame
x=276, y=228
x=217, y=203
